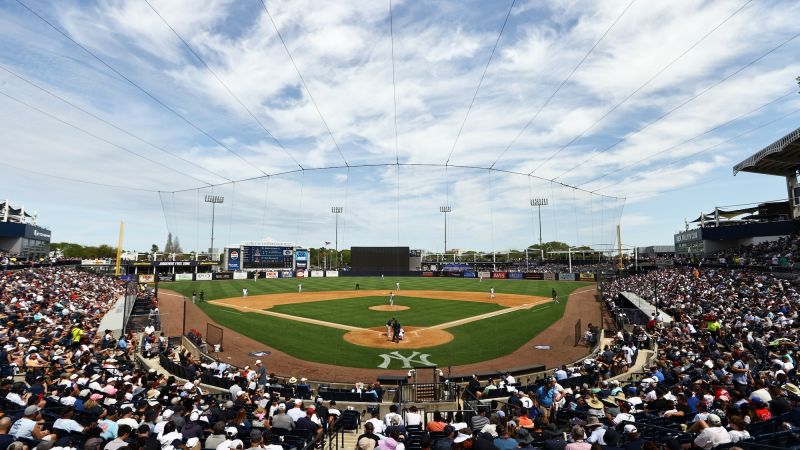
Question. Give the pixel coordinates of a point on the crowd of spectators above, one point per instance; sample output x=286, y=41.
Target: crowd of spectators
x=724, y=374
x=782, y=252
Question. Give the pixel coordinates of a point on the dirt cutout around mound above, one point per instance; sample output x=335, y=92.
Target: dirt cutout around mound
x=414, y=338
x=389, y=308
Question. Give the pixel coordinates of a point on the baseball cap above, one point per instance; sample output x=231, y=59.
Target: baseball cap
x=632, y=429
x=714, y=420
x=31, y=410
x=461, y=438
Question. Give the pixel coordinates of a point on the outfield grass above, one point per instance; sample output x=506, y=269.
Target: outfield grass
x=474, y=342
x=233, y=288
x=424, y=312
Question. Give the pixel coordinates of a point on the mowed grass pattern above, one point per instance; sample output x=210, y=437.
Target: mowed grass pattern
x=233, y=288
x=474, y=342
x=424, y=312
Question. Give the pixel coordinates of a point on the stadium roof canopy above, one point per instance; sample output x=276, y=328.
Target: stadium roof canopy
x=781, y=158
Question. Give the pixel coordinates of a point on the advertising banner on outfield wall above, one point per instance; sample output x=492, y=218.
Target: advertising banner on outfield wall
x=549, y=276
x=166, y=277
x=484, y=274
x=271, y=274
x=300, y=274
x=534, y=276
x=454, y=274
x=239, y=275
x=331, y=273
x=205, y=276
x=514, y=275
x=427, y=273
x=566, y=276
x=184, y=276
x=147, y=278
x=222, y=276
x=286, y=274
x=587, y=276
x=234, y=262
x=500, y=275
x=317, y=273
x=470, y=275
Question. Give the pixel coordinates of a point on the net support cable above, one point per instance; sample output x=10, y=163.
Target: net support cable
x=480, y=82
x=562, y=84
x=223, y=84
x=302, y=81
x=626, y=137
x=641, y=87
x=107, y=122
x=137, y=86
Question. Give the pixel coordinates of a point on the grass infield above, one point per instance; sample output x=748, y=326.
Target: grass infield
x=485, y=339
x=424, y=312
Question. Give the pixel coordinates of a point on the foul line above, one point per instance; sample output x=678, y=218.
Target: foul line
x=290, y=317
x=444, y=326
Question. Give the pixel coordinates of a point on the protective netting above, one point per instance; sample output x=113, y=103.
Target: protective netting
x=489, y=211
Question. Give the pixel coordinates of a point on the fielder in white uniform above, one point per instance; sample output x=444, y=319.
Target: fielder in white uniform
x=491, y=294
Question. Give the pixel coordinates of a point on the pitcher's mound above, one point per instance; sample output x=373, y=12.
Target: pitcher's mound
x=414, y=338
x=389, y=308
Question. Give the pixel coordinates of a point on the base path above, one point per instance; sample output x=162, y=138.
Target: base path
x=267, y=301
x=560, y=336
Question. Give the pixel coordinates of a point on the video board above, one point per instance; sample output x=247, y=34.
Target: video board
x=267, y=257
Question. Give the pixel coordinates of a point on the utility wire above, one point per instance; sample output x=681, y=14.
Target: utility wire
x=394, y=85
x=563, y=83
x=303, y=81
x=638, y=89
x=134, y=84
x=682, y=104
x=116, y=127
x=222, y=83
x=733, y=138
x=478, y=88
x=717, y=127
x=100, y=138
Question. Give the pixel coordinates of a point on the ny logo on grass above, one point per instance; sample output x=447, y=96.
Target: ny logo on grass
x=422, y=359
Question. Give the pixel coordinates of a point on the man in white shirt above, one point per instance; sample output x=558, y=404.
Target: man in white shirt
x=392, y=413
x=413, y=418
x=66, y=422
x=297, y=412
x=712, y=434
x=376, y=422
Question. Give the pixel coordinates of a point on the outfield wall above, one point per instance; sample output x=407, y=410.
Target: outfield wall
x=271, y=274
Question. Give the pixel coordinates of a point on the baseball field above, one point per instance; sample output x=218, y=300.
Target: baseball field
x=447, y=321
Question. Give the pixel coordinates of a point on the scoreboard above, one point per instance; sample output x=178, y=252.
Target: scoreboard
x=267, y=257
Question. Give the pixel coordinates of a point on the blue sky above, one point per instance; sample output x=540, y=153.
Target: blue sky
x=646, y=126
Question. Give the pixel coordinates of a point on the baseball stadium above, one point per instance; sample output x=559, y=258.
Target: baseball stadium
x=393, y=225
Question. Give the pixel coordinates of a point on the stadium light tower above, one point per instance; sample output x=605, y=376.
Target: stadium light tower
x=539, y=202
x=445, y=210
x=336, y=210
x=213, y=199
